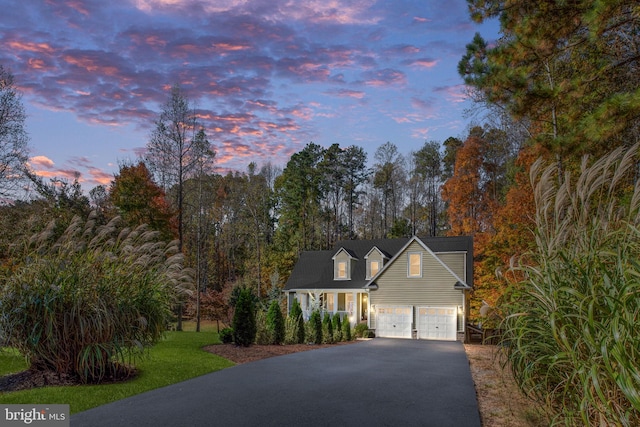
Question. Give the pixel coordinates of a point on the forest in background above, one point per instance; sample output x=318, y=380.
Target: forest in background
x=561, y=83
x=547, y=183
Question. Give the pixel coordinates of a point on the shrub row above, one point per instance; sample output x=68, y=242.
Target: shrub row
x=257, y=326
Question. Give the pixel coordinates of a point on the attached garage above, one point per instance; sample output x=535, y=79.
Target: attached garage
x=394, y=321
x=437, y=323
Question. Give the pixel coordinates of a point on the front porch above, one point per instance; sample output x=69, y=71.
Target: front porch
x=352, y=305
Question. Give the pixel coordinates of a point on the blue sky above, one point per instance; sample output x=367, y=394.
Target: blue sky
x=266, y=76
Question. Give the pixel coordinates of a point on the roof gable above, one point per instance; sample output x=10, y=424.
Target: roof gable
x=460, y=282
x=349, y=253
x=383, y=254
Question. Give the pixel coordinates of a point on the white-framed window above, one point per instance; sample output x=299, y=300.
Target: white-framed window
x=414, y=264
x=341, y=270
x=328, y=302
x=374, y=267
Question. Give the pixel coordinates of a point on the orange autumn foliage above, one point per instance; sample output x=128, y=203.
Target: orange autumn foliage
x=501, y=229
x=139, y=200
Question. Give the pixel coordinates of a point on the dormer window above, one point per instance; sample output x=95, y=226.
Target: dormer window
x=342, y=265
x=375, y=261
x=374, y=266
x=341, y=271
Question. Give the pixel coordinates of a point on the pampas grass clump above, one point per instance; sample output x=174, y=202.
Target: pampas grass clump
x=90, y=301
x=572, y=333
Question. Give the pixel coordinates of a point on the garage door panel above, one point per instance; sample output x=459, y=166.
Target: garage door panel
x=394, y=321
x=437, y=323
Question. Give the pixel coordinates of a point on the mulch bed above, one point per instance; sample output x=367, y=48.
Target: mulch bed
x=36, y=378
x=256, y=352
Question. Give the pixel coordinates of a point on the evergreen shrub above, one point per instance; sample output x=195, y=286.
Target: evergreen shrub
x=327, y=329
x=275, y=323
x=244, y=319
x=226, y=336
x=263, y=335
x=360, y=330
x=296, y=313
x=337, y=328
x=346, y=330
x=315, y=323
x=291, y=330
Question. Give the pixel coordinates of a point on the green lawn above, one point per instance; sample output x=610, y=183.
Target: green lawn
x=11, y=361
x=177, y=358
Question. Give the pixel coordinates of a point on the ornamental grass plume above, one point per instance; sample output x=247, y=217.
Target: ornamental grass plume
x=572, y=333
x=89, y=302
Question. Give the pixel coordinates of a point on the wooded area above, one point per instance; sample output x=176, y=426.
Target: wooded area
x=247, y=227
x=559, y=89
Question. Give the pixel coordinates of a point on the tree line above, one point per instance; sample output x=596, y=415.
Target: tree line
x=560, y=88
x=545, y=89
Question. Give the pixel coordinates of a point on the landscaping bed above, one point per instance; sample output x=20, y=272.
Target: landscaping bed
x=256, y=352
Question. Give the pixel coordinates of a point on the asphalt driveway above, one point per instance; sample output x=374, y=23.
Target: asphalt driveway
x=382, y=382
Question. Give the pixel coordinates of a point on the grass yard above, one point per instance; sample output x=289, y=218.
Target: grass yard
x=177, y=358
x=11, y=361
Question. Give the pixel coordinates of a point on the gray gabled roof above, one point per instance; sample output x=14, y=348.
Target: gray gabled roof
x=314, y=269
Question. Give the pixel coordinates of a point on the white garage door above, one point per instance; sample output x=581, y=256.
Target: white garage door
x=394, y=321
x=437, y=323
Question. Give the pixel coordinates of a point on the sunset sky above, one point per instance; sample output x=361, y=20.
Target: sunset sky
x=266, y=76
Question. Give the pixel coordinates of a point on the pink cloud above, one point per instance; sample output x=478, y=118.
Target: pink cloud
x=456, y=93
x=68, y=174
x=78, y=6
x=100, y=177
x=421, y=20
x=425, y=62
x=31, y=46
x=421, y=133
x=403, y=49
x=41, y=162
x=347, y=93
x=385, y=77
x=93, y=62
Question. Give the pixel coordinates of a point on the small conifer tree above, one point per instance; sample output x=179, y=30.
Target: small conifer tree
x=275, y=323
x=346, y=330
x=316, y=325
x=296, y=313
x=337, y=328
x=327, y=329
x=263, y=334
x=244, y=320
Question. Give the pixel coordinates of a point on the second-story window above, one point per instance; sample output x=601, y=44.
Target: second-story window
x=375, y=267
x=341, y=272
x=415, y=264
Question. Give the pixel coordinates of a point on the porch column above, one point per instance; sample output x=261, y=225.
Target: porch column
x=356, y=311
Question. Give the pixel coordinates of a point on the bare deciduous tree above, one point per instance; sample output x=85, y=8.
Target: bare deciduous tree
x=178, y=149
x=13, y=136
